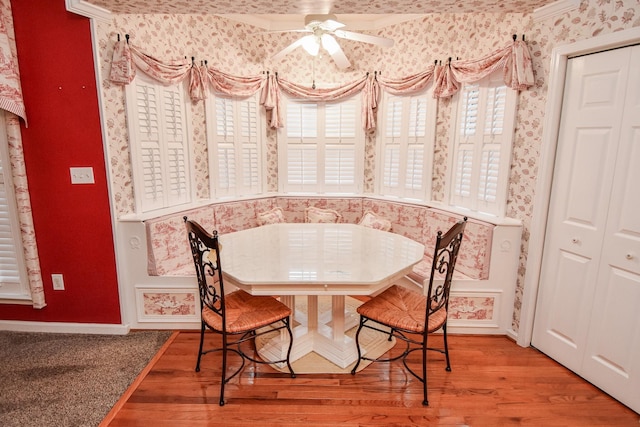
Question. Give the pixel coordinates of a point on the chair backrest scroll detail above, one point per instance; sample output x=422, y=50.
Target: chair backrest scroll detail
x=205, y=249
x=444, y=262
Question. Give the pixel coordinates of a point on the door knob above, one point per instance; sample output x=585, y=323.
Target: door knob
x=575, y=240
x=630, y=256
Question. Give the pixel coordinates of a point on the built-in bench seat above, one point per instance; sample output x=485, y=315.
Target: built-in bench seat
x=485, y=268
x=169, y=255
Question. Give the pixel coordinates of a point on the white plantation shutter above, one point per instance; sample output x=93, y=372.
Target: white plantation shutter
x=491, y=148
x=482, y=149
x=467, y=130
x=12, y=273
x=226, y=153
x=160, y=147
x=176, y=146
x=323, y=146
x=302, y=147
x=463, y=171
x=234, y=131
x=391, y=155
x=148, y=137
x=406, y=139
x=249, y=129
x=469, y=110
x=414, y=171
x=340, y=147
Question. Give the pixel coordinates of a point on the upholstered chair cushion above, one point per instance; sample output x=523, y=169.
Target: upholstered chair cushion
x=273, y=216
x=371, y=220
x=313, y=214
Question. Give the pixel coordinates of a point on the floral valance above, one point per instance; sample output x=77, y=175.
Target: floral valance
x=514, y=60
x=10, y=89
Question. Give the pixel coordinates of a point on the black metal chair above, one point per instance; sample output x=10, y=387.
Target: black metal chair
x=412, y=316
x=238, y=317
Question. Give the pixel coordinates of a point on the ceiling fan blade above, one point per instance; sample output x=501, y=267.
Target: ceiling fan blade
x=311, y=45
x=284, y=52
x=366, y=38
x=336, y=53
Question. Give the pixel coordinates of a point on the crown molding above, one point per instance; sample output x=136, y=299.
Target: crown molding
x=83, y=8
x=296, y=22
x=554, y=9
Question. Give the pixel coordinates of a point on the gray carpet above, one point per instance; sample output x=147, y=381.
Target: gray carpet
x=69, y=379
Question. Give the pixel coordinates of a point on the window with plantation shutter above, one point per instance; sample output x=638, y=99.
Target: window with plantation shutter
x=481, y=157
x=13, y=279
x=235, y=135
x=321, y=148
x=406, y=141
x=160, y=144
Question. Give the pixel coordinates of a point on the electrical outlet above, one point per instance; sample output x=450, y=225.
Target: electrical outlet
x=58, y=282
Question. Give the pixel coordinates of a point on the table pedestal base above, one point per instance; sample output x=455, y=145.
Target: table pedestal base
x=322, y=333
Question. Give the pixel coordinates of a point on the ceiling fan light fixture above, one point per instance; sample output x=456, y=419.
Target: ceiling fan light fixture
x=324, y=30
x=330, y=44
x=311, y=45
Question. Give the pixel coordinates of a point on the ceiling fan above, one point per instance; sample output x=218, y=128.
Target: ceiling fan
x=323, y=30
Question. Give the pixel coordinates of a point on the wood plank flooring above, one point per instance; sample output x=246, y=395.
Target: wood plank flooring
x=493, y=382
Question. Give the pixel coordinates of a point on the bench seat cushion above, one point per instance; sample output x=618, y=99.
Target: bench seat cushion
x=169, y=253
x=422, y=270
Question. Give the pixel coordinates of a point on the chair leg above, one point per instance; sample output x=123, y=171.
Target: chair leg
x=286, y=322
x=446, y=346
x=362, y=320
x=425, y=401
x=224, y=368
x=202, y=328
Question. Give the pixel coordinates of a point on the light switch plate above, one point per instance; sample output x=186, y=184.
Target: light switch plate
x=58, y=282
x=82, y=175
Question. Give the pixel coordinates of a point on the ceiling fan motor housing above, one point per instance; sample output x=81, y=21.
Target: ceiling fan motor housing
x=314, y=20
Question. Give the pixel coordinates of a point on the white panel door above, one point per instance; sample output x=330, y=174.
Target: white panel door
x=587, y=315
x=583, y=176
x=612, y=359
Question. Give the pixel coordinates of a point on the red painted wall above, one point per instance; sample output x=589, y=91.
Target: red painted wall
x=72, y=222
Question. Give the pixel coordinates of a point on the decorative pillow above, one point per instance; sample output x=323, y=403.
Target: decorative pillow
x=274, y=216
x=313, y=214
x=371, y=220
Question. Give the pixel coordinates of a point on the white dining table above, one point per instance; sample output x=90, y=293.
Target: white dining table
x=293, y=260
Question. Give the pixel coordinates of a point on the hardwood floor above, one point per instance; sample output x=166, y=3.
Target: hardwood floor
x=493, y=382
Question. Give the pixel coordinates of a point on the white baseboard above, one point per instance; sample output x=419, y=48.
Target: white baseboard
x=64, y=328
x=512, y=334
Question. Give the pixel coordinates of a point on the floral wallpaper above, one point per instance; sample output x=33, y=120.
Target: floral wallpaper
x=590, y=19
x=242, y=49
